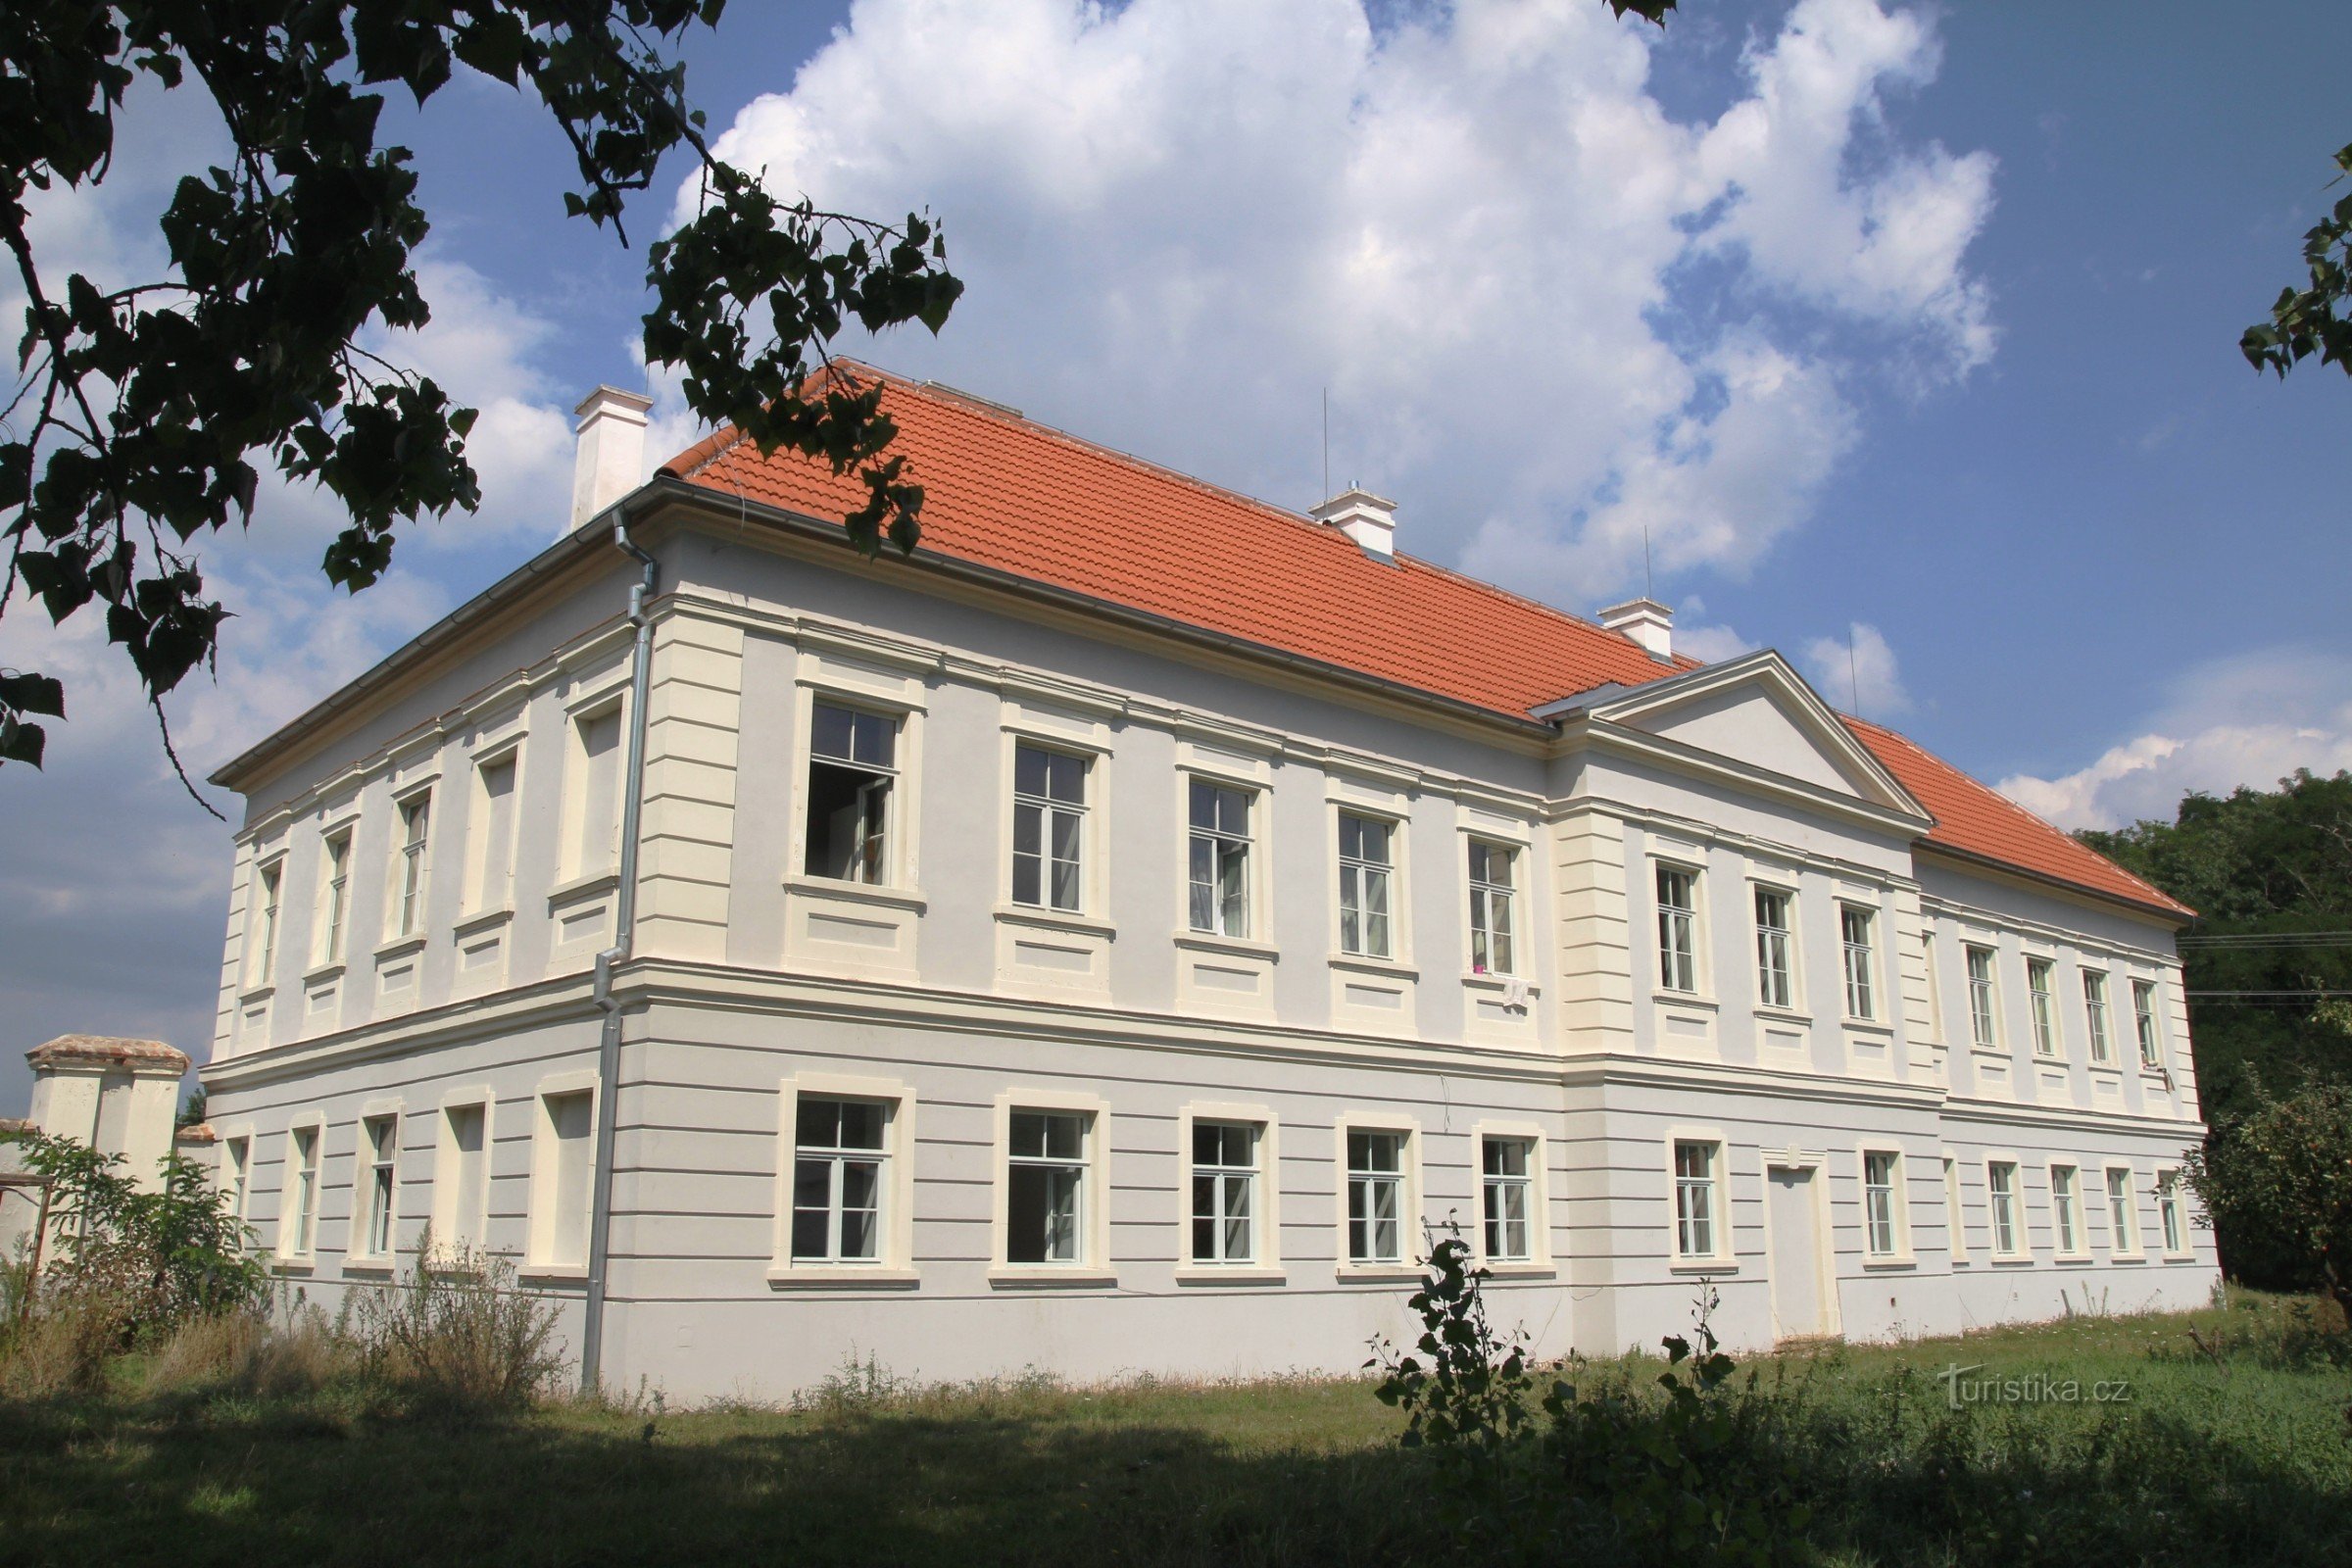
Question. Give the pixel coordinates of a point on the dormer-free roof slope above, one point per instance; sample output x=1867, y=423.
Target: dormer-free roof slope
x=1005, y=493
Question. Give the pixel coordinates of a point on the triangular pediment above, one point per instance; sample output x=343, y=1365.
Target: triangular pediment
x=1756, y=714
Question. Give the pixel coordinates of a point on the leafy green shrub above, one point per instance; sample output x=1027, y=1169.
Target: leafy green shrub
x=2278, y=1178
x=454, y=1330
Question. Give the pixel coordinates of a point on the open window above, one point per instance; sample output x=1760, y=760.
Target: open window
x=853, y=773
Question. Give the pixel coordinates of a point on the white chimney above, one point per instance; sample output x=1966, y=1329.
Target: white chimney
x=1364, y=517
x=1645, y=622
x=610, y=458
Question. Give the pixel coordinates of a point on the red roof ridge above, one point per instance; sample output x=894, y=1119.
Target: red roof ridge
x=713, y=446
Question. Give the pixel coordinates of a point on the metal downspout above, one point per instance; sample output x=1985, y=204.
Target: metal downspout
x=624, y=930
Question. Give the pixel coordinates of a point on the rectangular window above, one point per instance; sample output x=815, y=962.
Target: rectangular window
x=1046, y=1188
x=1220, y=858
x=1695, y=1198
x=1936, y=1020
x=2094, y=1014
x=298, y=1230
x=379, y=1149
x=2065, y=1209
x=1954, y=1220
x=265, y=924
x=2168, y=1210
x=1364, y=886
x=236, y=1166
x=1375, y=1197
x=1678, y=928
x=1492, y=875
x=335, y=895
x=2000, y=1186
x=2123, y=1212
x=1854, y=930
x=1507, y=1203
x=840, y=1152
x=1048, y=829
x=596, y=834
x=1225, y=1192
x=1773, y=983
x=2143, y=1018
x=465, y=1167
x=852, y=767
x=490, y=837
x=2045, y=1020
x=408, y=867
x=570, y=1133
x=1881, y=1171
x=1981, y=999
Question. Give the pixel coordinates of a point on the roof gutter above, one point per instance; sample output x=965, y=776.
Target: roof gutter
x=624, y=938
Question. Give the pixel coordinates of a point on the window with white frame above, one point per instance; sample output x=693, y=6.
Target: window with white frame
x=595, y=845
x=298, y=1226
x=2167, y=1212
x=1882, y=1202
x=1494, y=875
x=1219, y=865
x=379, y=1177
x=2122, y=1212
x=1507, y=1199
x=409, y=864
x=236, y=1172
x=852, y=771
x=1364, y=869
x=334, y=895
x=1775, y=984
x=1954, y=1218
x=267, y=905
x=1698, y=1199
x=1044, y=1187
x=2094, y=1014
x=1225, y=1191
x=2065, y=1209
x=1376, y=1197
x=1856, y=933
x=2000, y=1192
x=1048, y=828
x=490, y=836
x=841, y=1151
x=2046, y=1018
x=568, y=1130
x=1980, y=1000
x=2143, y=1018
x=463, y=1174
x=1678, y=928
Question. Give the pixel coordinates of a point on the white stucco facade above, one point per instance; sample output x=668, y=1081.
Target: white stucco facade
x=430, y=1015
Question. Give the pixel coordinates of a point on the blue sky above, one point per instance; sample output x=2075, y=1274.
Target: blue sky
x=1906, y=328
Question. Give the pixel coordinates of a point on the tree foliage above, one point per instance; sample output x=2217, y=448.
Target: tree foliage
x=2316, y=319
x=144, y=413
x=2282, y=1182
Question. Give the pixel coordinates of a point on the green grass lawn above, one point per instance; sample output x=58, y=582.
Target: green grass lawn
x=2234, y=1453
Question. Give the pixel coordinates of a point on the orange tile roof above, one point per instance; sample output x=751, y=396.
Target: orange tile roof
x=1974, y=819
x=1005, y=493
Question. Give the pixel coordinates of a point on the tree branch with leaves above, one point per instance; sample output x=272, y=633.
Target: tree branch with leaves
x=143, y=414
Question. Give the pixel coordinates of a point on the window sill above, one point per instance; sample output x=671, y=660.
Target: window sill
x=252, y=994
x=368, y=1265
x=2107, y=1070
x=581, y=887
x=401, y=947
x=1705, y=1265
x=554, y=1273
x=1237, y=1274
x=840, y=1277
x=2126, y=1257
x=1665, y=997
x=1996, y=1052
x=1045, y=1276
x=1783, y=1015
x=1237, y=947
x=1366, y=964
x=483, y=921
x=1889, y=1264
x=2180, y=1258
x=1489, y=980
x=826, y=887
x=1866, y=1026
x=1384, y=1272
x=2013, y=1262
x=331, y=970
x=294, y=1265
x=1522, y=1268
x=2073, y=1259
x=1057, y=920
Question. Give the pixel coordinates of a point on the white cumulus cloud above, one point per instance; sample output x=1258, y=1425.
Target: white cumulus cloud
x=1858, y=672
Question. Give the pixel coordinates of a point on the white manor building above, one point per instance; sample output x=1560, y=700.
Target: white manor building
x=1117, y=937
